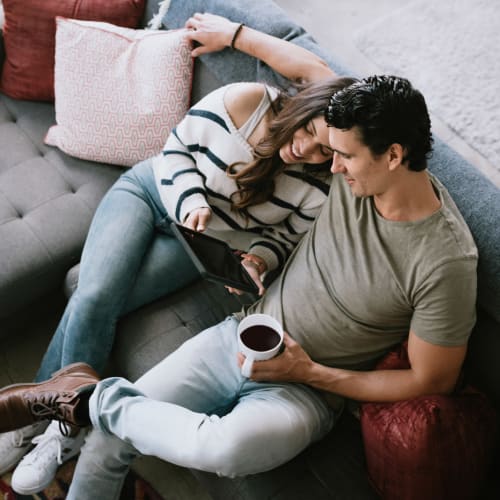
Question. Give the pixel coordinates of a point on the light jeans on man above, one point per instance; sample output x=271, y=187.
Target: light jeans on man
x=196, y=410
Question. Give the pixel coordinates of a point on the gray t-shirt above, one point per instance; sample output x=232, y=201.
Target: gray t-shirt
x=358, y=283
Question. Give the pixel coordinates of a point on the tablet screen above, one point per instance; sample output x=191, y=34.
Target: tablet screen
x=214, y=259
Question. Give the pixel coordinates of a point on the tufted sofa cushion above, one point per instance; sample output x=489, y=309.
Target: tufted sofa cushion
x=47, y=200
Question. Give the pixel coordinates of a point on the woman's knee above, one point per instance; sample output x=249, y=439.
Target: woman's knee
x=92, y=298
x=140, y=174
x=227, y=459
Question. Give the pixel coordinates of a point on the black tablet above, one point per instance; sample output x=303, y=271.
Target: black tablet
x=214, y=259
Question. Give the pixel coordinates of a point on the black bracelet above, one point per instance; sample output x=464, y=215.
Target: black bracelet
x=236, y=33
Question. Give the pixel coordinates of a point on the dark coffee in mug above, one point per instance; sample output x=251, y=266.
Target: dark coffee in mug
x=260, y=338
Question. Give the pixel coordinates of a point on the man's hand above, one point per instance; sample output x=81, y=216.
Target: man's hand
x=198, y=219
x=292, y=365
x=213, y=32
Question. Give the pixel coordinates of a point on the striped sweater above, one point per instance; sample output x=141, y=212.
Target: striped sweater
x=190, y=173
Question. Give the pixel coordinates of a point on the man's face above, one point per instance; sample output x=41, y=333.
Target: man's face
x=365, y=173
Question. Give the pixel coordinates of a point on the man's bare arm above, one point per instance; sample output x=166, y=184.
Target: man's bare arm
x=434, y=370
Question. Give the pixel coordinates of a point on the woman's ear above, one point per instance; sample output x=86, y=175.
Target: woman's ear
x=396, y=154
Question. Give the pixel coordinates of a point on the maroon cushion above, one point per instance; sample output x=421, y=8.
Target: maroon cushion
x=431, y=446
x=29, y=37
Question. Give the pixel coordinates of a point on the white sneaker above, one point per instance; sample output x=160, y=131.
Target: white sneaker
x=38, y=468
x=15, y=444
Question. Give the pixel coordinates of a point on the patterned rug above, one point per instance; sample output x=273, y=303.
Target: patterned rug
x=449, y=50
x=135, y=488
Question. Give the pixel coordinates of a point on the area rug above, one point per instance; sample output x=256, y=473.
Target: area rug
x=449, y=50
x=135, y=488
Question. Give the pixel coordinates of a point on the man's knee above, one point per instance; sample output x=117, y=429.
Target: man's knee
x=229, y=459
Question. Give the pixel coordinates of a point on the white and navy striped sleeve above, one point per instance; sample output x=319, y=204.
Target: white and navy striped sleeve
x=303, y=196
x=180, y=183
x=190, y=164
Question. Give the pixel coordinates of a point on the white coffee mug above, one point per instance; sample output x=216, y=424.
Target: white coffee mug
x=260, y=337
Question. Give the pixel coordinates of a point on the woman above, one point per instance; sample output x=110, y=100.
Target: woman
x=234, y=167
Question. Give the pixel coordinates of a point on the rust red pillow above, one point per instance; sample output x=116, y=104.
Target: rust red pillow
x=428, y=447
x=29, y=37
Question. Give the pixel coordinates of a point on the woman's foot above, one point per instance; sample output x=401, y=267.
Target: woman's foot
x=38, y=468
x=15, y=444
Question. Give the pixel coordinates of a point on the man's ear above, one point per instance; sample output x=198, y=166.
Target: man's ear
x=395, y=155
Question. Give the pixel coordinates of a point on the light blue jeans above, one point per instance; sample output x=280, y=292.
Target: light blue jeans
x=195, y=409
x=129, y=259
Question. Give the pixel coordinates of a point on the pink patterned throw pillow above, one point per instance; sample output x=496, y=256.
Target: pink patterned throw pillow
x=118, y=91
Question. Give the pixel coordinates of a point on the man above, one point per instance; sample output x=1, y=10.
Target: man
x=388, y=258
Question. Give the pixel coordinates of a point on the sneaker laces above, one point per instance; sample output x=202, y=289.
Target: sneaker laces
x=41, y=454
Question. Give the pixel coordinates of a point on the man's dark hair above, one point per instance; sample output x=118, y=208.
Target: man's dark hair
x=386, y=110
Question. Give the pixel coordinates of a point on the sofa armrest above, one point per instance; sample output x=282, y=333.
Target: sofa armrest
x=233, y=66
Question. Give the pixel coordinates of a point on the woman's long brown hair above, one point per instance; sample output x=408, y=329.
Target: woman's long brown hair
x=256, y=179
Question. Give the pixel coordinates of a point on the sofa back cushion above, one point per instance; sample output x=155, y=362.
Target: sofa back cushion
x=478, y=200
x=29, y=32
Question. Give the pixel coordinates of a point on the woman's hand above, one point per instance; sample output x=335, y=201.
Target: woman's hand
x=296, y=63
x=198, y=219
x=213, y=32
x=254, y=266
x=292, y=365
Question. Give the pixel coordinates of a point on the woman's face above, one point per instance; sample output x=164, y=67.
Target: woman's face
x=309, y=144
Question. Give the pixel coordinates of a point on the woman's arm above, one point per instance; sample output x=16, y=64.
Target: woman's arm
x=179, y=181
x=214, y=33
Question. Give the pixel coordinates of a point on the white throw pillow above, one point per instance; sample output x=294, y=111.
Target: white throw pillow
x=118, y=91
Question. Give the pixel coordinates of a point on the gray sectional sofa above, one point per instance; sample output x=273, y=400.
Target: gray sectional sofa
x=47, y=200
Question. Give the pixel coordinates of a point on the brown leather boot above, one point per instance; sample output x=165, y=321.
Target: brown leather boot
x=64, y=397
